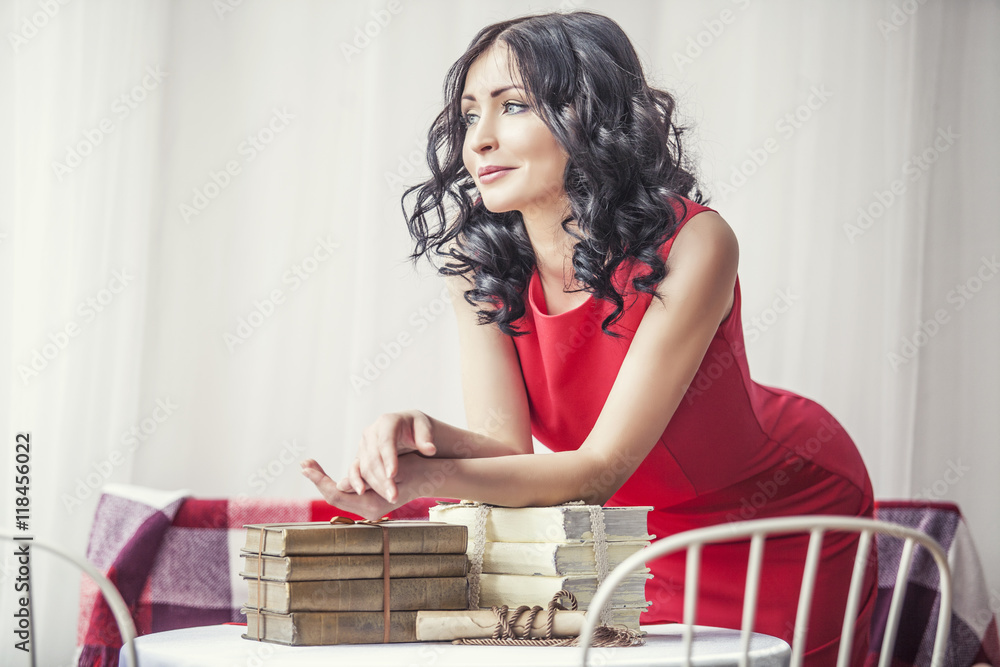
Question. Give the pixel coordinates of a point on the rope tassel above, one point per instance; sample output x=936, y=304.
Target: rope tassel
x=505, y=632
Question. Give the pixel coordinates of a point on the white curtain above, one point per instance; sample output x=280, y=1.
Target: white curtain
x=205, y=258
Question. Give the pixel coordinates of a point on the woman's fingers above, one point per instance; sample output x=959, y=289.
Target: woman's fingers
x=423, y=435
x=377, y=465
x=315, y=474
x=368, y=505
x=311, y=467
x=383, y=473
x=389, y=435
x=357, y=482
x=373, y=474
x=347, y=483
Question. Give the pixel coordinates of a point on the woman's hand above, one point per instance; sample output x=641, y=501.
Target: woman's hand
x=377, y=463
x=369, y=504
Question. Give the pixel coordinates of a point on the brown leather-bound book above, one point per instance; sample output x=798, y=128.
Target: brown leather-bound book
x=358, y=594
x=321, y=628
x=309, y=568
x=317, y=538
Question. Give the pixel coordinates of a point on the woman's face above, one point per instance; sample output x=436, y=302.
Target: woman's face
x=514, y=159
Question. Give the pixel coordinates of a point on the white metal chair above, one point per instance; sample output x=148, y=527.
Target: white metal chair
x=123, y=618
x=758, y=530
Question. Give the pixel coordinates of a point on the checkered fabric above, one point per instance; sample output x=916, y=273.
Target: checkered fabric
x=973, y=637
x=176, y=562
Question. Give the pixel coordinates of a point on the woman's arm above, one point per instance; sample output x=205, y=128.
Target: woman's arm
x=661, y=362
x=396, y=434
x=496, y=407
x=496, y=402
x=520, y=480
x=489, y=440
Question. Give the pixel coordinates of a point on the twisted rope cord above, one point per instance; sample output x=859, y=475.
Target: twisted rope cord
x=476, y=557
x=260, y=566
x=386, y=600
x=505, y=632
x=600, y=554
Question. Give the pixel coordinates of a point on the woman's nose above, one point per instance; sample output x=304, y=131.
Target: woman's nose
x=482, y=136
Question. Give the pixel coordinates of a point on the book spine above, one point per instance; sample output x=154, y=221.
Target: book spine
x=536, y=558
x=355, y=628
x=516, y=589
x=252, y=540
x=545, y=524
x=328, y=628
x=368, y=540
x=559, y=523
x=311, y=568
x=359, y=594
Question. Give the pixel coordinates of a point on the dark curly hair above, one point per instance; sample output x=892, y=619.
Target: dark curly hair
x=584, y=80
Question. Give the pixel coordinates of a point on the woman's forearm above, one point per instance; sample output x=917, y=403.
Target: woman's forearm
x=453, y=442
x=518, y=480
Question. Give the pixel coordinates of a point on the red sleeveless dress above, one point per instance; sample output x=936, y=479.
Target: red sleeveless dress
x=733, y=450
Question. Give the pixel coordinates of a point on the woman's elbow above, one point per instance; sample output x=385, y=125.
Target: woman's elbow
x=603, y=476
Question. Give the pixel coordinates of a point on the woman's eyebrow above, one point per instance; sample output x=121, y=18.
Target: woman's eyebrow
x=494, y=93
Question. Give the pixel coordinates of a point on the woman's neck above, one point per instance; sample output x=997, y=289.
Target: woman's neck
x=553, y=247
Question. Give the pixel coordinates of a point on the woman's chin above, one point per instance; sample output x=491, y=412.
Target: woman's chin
x=495, y=205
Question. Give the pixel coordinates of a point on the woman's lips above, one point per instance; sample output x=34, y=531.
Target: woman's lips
x=490, y=174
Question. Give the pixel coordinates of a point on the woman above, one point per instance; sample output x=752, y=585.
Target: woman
x=599, y=311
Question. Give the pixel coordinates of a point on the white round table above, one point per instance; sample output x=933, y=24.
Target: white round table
x=223, y=646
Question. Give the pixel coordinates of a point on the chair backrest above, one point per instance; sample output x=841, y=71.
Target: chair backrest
x=757, y=531
x=120, y=611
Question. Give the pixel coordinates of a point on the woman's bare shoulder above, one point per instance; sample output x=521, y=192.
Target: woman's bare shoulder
x=706, y=239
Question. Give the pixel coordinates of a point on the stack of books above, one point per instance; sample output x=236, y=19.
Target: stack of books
x=319, y=583
x=531, y=553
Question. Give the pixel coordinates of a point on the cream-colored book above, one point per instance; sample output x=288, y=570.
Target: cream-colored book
x=315, y=628
x=558, y=523
x=626, y=616
x=553, y=558
x=517, y=589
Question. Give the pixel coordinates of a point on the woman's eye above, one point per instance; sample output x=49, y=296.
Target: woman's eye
x=469, y=118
